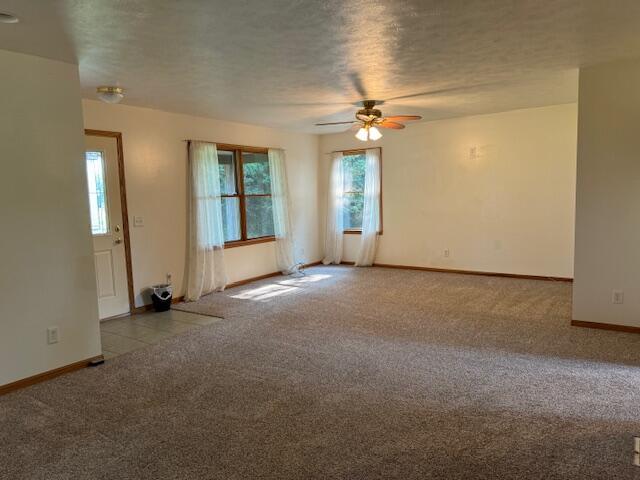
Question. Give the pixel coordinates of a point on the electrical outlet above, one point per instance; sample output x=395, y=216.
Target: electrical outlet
x=138, y=221
x=617, y=296
x=446, y=253
x=52, y=335
x=169, y=278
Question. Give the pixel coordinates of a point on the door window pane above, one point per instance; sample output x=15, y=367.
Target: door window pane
x=257, y=179
x=259, y=217
x=97, y=193
x=231, y=218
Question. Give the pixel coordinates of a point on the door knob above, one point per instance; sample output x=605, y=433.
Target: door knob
x=118, y=241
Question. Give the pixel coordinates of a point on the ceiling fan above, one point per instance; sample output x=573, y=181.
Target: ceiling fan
x=370, y=118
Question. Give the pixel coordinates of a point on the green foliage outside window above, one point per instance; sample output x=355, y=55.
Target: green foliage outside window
x=257, y=181
x=257, y=195
x=354, y=168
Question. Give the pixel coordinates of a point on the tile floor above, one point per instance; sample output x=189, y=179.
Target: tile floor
x=125, y=334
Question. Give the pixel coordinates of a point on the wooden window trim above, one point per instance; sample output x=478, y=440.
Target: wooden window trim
x=358, y=231
x=251, y=241
x=239, y=174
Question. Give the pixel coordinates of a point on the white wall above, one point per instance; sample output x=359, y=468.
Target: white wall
x=508, y=209
x=47, y=276
x=608, y=195
x=156, y=167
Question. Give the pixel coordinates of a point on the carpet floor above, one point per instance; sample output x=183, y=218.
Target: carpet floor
x=347, y=373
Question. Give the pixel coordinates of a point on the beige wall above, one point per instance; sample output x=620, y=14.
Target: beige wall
x=47, y=276
x=608, y=195
x=156, y=168
x=509, y=208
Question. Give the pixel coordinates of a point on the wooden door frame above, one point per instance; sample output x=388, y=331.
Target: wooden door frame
x=123, y=206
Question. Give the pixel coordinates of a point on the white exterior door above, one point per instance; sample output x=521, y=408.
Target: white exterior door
x=106, y=225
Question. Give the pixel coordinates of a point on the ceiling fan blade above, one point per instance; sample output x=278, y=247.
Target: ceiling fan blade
x=334, y=123
x=358, y=86
x=403, y=118
x=443, y=91
x=386, y=124
x=364, y=118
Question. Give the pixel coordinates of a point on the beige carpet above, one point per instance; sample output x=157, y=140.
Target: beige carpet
x=347, y=374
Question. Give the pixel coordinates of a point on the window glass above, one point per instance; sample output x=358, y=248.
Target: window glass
x=354, y=169
x=247, y=211
x=227, y=172
x=231, y=219
x=97, y=192
x=230, y=198
x=257, y=179
x=352, y=213
x=257, y=190
x=259, y=216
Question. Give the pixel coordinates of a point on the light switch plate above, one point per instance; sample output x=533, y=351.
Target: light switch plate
x=52, y=335
x=617, y=296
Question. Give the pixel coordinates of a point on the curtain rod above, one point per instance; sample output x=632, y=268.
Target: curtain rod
x=229, y=144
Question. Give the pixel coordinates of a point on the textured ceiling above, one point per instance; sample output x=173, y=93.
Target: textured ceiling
x=291, y=63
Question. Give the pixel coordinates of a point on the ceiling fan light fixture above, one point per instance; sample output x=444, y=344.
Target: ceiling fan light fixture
x=374, y=134
x=362, y=134
x=110, y=94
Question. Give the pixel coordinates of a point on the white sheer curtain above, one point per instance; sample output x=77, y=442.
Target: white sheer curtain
x=371, y=209
x=206, y=271
x=335, y=221
x=285, y=258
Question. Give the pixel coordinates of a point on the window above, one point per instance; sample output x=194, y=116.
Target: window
x=353, y=163
x=97, y=193
x=245, y=185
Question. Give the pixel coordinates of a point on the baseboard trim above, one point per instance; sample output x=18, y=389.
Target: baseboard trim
x=48, y=375
x=267, y=275
x=149, y=306
x=252, y=279
x=468, y=272
x=605, y=326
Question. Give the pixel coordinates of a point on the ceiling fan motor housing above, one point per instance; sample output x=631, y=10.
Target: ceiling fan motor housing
x=368, y=110
x=369, y=117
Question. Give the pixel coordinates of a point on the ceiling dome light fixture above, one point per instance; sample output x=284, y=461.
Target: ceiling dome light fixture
x=110, y=94
x=8, y=18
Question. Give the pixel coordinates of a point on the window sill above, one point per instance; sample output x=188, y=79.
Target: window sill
x=356, y=232
x=252, y=241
